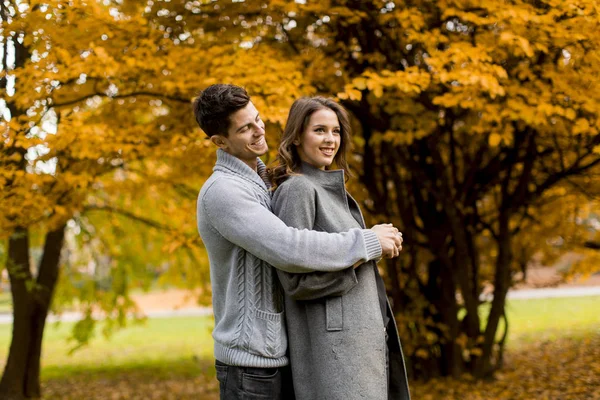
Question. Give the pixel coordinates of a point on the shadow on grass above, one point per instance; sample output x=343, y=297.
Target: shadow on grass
x=189, y=378
x=155, y=369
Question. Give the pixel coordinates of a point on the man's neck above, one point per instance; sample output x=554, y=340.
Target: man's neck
x=252, y=164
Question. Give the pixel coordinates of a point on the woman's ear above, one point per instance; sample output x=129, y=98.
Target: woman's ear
x=296, y=143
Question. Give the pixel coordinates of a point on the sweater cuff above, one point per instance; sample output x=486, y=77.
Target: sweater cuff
x=372, y=245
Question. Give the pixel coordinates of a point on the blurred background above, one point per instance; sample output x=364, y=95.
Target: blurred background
x=475, y=131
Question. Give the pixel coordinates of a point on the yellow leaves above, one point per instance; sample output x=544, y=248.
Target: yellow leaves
x=409, y=18
x=477, y=352
x=569, y=113
x=410, y=81
x=15, y=125
x=461, y=341
x=463, y=66
x=466, y=16
x=519, y=43
x=360, y=83
x=63, y=55
x=348, y=15
x=422, y=353
x=105, y=65
x=16, y=157
x=350, y=94
x=494, y=139
x=581, y=126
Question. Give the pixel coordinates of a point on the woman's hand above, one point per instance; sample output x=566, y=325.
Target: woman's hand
x=390, y=239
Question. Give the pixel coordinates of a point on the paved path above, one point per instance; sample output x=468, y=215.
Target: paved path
x=75, y=316
x=572, y=291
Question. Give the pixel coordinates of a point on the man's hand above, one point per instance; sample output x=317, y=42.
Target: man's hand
x=389, y=238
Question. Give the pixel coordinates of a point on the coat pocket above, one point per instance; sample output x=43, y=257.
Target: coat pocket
x=334, y=313
x=268, y=334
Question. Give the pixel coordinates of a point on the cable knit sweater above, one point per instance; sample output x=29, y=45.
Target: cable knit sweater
x=244, y=239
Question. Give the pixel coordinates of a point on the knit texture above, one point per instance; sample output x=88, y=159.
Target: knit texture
x=244, y=239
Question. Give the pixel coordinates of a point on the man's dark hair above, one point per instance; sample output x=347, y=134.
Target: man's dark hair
x=215, y=104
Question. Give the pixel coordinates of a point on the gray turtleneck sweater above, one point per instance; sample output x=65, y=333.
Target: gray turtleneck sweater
x=244, y=239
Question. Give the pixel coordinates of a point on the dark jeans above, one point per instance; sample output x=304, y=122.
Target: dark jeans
x=248, y=383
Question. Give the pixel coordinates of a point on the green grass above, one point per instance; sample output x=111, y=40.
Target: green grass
x=5, y=302
x=547, y=319
x=178, y=346
x=182, y=346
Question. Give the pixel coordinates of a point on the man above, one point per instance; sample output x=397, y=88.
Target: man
x=244, y=239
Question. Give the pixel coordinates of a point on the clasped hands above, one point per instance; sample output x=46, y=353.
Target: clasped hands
x=389, y=238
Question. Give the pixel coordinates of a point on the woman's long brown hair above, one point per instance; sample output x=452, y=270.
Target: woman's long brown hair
x=288, y=160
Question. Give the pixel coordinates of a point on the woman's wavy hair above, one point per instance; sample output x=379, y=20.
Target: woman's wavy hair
x=288, y=160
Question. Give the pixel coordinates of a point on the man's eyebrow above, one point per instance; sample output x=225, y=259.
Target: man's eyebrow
x=242, y=127
x=248, y=124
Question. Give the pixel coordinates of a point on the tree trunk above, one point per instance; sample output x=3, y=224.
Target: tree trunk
x=501, y=285
x=21, y=378
x=12, y=385
x=441, y=292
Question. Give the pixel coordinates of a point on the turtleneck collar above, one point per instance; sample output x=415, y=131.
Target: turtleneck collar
x=324, y=177
x=228, y=163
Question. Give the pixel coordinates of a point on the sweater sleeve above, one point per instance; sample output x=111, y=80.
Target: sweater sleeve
x=236, y=214
x=295, y=203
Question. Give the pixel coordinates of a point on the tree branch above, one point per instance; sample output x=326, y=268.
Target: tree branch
x=122, y=96
x=130, y=215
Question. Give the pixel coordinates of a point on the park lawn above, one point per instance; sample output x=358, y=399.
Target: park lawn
x=5, y=302
x=170, y=346
x=533, y=320
x=172, y=358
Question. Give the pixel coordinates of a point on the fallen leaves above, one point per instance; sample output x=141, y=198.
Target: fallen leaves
x=562, y=369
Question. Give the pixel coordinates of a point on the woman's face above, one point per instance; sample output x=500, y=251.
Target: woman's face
x=320, y=141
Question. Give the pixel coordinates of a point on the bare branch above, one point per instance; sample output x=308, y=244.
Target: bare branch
x=592, y=245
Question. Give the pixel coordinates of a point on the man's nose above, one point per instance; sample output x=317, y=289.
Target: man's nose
x=259, y=129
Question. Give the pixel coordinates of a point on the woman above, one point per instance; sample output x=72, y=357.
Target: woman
x=343, y=340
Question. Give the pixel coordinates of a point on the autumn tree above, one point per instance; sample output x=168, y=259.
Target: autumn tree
x=471, y=123
x=101, y=159
x=471, y=119
x=64, y=155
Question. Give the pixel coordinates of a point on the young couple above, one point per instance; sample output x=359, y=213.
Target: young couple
x=303, y=248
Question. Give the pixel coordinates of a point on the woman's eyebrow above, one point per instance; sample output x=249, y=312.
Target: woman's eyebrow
x=323, y=125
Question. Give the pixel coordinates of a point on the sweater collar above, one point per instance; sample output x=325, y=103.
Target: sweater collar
x=231, y=164
x=325, y=177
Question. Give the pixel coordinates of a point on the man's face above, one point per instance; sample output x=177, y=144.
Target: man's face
x=246, y=136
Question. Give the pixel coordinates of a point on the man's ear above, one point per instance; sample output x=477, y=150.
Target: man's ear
x=219, y=141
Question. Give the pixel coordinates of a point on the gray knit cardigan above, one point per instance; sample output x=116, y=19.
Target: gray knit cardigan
x=244, y=239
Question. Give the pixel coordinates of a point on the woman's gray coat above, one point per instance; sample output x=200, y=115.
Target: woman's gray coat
x=335, y=325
